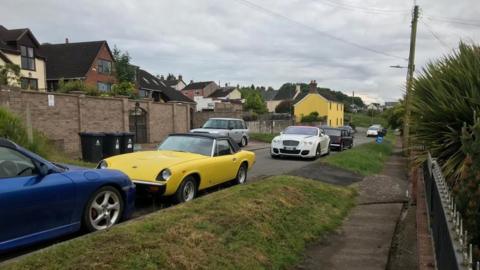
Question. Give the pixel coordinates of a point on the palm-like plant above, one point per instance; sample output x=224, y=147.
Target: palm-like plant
x=445, y=97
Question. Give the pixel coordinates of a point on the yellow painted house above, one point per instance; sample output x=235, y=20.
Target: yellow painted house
x=312, y=101
x=19, y=47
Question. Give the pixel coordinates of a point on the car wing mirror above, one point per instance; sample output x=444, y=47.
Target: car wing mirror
x=43, y=169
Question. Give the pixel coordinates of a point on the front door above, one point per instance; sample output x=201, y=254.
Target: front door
x=30, y=203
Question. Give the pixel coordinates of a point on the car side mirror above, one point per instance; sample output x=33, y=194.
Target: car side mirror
x=43, y=169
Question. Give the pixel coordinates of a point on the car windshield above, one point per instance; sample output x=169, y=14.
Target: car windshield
x=373, y=128
x=301, y=131
x=333, y=132
x=191, y=144
x=216, y=124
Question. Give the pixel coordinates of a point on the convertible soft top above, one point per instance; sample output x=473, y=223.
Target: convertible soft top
x=213, y=136
x=7, y=143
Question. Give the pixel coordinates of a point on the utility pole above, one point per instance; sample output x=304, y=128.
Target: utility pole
x=411, y=69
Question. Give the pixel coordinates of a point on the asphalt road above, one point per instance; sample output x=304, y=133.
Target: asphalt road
x=267, y=166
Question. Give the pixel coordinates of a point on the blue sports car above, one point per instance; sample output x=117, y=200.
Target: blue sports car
x=40, y=200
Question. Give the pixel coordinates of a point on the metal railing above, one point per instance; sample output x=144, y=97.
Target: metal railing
x=452, y=248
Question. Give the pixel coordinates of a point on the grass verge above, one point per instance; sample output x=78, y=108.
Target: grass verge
x=262, y=137
x=264, y=225
x=364, y=120
x=366, y=159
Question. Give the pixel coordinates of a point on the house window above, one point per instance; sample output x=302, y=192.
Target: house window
x=144, y=93
x=104, y=87
x=330, y=105
x=29, y=84
x=104, y=66
x=330, y=122
x=337, y=106
x=337, y=121
x=197, y=93
x=27, y=58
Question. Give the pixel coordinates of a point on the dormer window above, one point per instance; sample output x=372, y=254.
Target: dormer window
x=104, y=66
x=28, y=58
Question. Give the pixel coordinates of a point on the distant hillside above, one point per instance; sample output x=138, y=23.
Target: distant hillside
x=288, y=88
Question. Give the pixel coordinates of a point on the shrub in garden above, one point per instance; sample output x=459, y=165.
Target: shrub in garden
x=444, y=98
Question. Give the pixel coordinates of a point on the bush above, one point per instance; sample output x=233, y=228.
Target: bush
x=77, y=85
x=312, y=117
x=13, y=128
x=445, y=97
x=123, y=89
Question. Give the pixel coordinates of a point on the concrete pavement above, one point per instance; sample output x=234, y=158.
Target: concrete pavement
x=365, y=239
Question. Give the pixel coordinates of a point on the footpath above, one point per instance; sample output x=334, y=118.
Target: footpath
x=369, y=235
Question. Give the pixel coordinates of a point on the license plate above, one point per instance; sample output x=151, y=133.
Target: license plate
x=289, y=148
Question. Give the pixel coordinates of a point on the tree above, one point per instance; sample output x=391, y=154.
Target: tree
x=124, y=71
x=9, y=74
x=395, y=116
x=285, y=106
x=253, y=100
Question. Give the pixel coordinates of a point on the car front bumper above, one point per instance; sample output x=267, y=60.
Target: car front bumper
x=130, y=194
x=302, y=151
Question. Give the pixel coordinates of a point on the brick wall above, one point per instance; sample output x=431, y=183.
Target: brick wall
x=72, y=114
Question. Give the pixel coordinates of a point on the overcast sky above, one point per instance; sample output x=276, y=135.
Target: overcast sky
x=267, y=43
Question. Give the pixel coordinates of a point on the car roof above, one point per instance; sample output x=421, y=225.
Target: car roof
x=221, y=118
x=201, y=134
x=302, y=126
x=7, y=143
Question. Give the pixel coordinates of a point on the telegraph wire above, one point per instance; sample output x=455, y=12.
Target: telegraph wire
x=351, y=43
x=429, y=28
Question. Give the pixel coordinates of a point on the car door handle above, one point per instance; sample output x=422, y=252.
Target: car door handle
x=234, y=159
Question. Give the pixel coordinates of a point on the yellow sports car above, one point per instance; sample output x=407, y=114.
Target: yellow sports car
x=185, y=164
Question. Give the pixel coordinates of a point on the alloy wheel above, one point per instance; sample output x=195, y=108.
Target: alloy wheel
x=104, y=210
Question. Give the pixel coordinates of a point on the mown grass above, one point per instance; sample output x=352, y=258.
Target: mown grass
x=365, y=159
x=262, y=137
x=264, y=225
x=364, y=120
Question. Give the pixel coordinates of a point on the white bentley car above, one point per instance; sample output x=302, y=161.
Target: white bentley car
x=300, y=141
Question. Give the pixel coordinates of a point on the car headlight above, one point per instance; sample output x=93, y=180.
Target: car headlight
x=276, y=141
x=102, y=165
x=164, y=175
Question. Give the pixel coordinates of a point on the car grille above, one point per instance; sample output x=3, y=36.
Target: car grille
x=290, y=143
x=295, y=152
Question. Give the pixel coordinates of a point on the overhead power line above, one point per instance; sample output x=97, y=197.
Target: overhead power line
x=324, y=33
x=454, y=21
x=365, y=9
x=429, y=28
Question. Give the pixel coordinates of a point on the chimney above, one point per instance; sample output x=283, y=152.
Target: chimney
x=162, y=78
x=226, y=84
x=66, y=40
x=313, y=87
x=180, y=77
x=191, y=81
x=297, y=88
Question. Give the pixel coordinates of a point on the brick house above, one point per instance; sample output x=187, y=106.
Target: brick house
x=203, y=89
x=92, y=62
x=20, y=47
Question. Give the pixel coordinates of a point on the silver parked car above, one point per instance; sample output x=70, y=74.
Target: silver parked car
x=235, y=128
